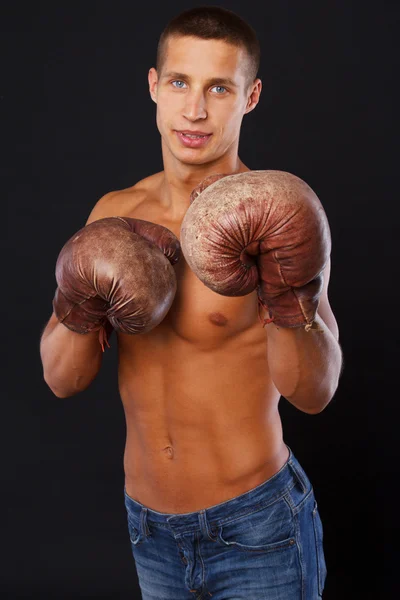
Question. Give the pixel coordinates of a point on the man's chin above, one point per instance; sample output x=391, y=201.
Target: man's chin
x=195, y=161
x=192, y=158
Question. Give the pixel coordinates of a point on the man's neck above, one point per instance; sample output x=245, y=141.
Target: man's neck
x=180, y=179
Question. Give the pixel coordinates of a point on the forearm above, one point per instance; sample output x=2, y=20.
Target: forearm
x=70, y=360
x=305, y=366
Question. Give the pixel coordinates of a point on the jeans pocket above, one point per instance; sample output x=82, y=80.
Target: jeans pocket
x=134, y=534
x=267, y=529
x=318, y=535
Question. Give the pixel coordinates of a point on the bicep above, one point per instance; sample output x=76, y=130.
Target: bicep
x=48, y=328
x=324, y=307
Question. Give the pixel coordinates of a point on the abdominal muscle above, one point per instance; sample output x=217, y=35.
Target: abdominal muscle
x=201, y=408
x=202, y=422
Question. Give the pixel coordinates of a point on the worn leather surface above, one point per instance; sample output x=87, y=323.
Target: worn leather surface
x=263, y=230
x=116, y=271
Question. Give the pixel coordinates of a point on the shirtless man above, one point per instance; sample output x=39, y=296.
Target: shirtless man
x=201, y=390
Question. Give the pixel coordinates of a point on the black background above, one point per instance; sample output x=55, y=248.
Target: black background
x=79, y=122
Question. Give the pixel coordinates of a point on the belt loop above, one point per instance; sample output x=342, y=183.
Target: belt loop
x=204, y=525
x=144, y=527
x=298, y=475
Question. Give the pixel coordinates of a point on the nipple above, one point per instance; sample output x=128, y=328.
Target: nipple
x=218, y=318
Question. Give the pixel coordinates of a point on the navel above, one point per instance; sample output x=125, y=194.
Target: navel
x=218, y=319
x=169, y=451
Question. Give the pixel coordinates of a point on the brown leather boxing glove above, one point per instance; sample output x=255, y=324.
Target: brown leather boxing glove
x=116, y=272
x=263, y=230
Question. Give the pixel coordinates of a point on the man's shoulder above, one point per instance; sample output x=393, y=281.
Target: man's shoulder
x=139, y=190
x=122, y=202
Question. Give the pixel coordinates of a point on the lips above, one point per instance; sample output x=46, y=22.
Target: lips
x=189, y=132
x=193, y=142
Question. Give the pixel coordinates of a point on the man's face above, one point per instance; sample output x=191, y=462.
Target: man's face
x=202, y=87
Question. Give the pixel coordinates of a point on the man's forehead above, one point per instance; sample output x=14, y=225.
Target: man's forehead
x=190, y=56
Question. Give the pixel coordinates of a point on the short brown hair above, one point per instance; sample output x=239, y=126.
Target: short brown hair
x=213, y=22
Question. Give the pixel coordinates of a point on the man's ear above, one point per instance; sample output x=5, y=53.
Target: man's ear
x=153, y=80
x=254, y=95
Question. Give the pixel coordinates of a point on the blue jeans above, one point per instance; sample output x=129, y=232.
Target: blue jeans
x=265, y=544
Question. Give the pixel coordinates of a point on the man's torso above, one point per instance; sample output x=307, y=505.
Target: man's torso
x=201, y=409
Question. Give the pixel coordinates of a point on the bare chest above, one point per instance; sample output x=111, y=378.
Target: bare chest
x=198, y=314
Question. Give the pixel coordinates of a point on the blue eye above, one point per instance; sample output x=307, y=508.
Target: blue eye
x=180, y=87
x=177, y=81
x=220, y=87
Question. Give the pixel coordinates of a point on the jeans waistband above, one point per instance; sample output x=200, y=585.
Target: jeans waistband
x=263, y=494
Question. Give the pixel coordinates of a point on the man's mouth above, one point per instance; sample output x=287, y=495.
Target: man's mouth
x=191, y=135
x=193, y=139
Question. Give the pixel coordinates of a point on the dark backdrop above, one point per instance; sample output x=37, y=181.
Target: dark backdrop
x=79, y=122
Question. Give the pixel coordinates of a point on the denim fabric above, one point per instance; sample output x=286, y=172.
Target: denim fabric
x=265, y=544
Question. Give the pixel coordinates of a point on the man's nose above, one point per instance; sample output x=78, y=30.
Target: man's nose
x=195, y=107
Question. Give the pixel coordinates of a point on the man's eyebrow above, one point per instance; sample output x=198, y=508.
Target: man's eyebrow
x=212, y=80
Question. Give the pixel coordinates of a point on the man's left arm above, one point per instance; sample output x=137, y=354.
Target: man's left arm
x=305, y=366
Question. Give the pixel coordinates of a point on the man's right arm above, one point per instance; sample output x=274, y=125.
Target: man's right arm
x=72, y=360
